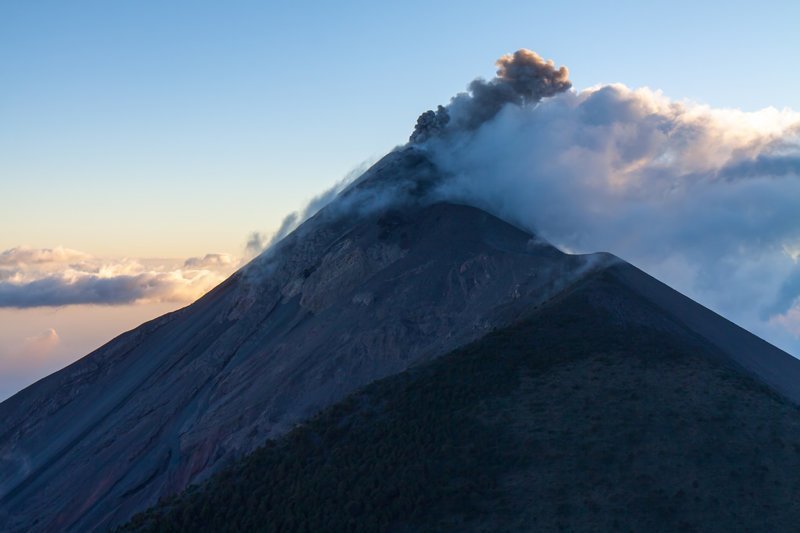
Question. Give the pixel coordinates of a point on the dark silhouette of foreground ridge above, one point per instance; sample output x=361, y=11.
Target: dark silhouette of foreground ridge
x=602, y=411
x=589, y=392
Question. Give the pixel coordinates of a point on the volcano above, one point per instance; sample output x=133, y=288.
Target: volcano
x=366, y=291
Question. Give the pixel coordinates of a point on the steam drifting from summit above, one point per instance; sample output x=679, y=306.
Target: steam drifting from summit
x=704, y=199
x=522, y=78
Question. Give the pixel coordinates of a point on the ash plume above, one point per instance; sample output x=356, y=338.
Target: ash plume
x=523, y=77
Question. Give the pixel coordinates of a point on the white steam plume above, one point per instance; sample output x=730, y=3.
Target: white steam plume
x=705, y=199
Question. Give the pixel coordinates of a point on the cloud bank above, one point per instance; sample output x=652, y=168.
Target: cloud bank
x=35, y=277
x=24, y=255
x=708, y=200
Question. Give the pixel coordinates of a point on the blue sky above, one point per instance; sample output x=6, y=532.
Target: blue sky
x=135, y=135
x=175, y=128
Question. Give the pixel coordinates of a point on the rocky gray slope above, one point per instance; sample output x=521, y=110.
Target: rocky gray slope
x=365, y=289
x=344, y=300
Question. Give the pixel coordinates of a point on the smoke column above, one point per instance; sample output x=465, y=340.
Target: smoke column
x=522, y=78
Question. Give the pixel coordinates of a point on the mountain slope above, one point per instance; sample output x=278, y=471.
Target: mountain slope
x=344, y=300
x=377, y=282
x=603, y=411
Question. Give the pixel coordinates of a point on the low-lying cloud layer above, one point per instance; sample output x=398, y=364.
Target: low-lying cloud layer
x=707, y=200
x=37, y=277
x=24, y=255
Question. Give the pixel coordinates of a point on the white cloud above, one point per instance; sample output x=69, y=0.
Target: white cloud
x=705, y=199
x=24, y=255
x=210, y=261
x=31, y=277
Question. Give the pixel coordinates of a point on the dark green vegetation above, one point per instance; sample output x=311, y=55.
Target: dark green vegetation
x=597, y=413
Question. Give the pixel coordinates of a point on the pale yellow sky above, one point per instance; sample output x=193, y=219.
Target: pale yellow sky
x=25, y=356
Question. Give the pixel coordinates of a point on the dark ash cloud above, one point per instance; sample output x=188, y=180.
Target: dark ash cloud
x=522, y=78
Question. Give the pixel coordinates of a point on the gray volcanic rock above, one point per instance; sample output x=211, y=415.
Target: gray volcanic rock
x=355, y=294
x=377, y=281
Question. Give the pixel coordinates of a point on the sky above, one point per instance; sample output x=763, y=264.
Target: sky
x=144, y=142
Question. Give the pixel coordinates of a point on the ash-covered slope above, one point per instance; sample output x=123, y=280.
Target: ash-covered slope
x=355, y=294
x=602, y=411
